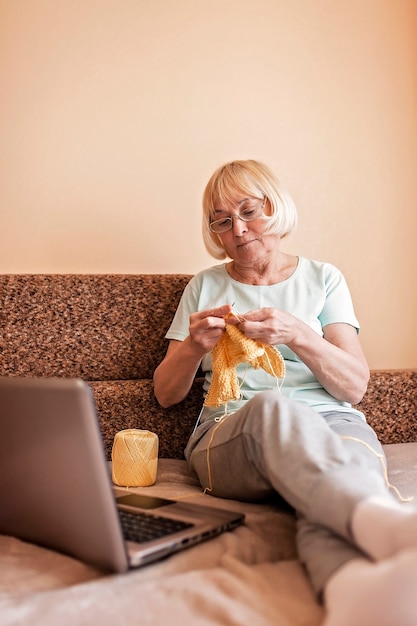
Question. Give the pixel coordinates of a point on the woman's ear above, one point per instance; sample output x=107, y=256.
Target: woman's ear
x=267, y=208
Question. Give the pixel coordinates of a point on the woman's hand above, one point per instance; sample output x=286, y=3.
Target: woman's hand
x=175, y=374
x=336, y=359
x=268, y=325
x=206, y=328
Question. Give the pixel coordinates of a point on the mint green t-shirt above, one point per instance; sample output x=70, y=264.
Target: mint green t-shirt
x=315, y=293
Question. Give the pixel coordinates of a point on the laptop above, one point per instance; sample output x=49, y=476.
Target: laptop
x=56, y=488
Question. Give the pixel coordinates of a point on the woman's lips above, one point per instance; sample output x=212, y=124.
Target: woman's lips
x=242, y=244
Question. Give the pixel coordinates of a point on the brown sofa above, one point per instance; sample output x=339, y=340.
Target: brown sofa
x=109, y=330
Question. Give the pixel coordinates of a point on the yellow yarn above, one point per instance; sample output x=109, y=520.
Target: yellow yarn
x=382, y=459
x=134, y=458
x=234, y=348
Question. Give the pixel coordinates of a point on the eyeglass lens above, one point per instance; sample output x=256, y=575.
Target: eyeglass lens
x=248, y=213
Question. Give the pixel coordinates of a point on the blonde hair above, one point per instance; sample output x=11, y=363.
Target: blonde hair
x=248, y=178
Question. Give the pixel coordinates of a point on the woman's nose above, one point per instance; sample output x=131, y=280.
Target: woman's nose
x=239, y=226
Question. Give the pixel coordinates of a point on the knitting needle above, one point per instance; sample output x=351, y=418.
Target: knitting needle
x=239, y=317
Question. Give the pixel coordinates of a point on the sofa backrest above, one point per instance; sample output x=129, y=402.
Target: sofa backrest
x=109, y=330
x=96, y=327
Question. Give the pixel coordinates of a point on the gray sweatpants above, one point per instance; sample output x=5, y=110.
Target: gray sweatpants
x=321, y=464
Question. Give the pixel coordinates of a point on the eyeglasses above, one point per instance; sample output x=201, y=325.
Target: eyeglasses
x=250, y=211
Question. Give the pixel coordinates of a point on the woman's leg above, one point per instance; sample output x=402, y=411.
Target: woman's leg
x=275, y=444
x=354, y=588
x=323, y=466
x=380, y=525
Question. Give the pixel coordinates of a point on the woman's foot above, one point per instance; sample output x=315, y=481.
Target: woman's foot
x=362, y=593
x=382, y=528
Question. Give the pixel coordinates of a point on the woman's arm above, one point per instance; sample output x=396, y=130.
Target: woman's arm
x=175, y=374
x=336, y=359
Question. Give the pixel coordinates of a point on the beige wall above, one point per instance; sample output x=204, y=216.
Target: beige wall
x=114, y=113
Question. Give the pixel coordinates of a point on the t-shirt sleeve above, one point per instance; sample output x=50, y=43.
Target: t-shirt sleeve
x=188, y=304
x=338, y=305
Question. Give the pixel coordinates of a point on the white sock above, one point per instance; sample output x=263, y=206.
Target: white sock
x=383, y=528
x=362, y=593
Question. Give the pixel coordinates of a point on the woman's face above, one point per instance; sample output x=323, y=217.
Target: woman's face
x=245, y=242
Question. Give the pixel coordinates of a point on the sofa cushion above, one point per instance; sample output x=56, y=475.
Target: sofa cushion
x=132, y=404
x=390, y=406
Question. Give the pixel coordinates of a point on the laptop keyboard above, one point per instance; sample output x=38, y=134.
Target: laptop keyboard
x=143, y=527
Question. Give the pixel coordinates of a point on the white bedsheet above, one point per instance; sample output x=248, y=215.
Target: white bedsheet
x=248, y=576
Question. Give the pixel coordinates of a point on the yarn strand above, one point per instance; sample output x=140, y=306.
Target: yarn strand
x=381, y=458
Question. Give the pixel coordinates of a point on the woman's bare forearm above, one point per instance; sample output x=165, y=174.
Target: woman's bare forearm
x=175, y=374
x=336, y=360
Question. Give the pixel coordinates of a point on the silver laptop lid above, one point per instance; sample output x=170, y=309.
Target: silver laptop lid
x=55, y=488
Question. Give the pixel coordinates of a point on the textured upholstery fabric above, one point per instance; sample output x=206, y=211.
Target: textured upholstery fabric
x=96, y=327
x=109, y=330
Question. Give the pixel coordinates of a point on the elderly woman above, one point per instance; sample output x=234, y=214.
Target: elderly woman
x=298, y=436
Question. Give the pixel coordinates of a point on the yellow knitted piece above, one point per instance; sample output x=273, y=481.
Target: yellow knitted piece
x=234, y=348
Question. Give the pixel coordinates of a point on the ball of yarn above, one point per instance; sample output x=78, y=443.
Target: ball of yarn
x=134, y=458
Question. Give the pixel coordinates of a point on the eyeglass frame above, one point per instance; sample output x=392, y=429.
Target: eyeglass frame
x=229, y=218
